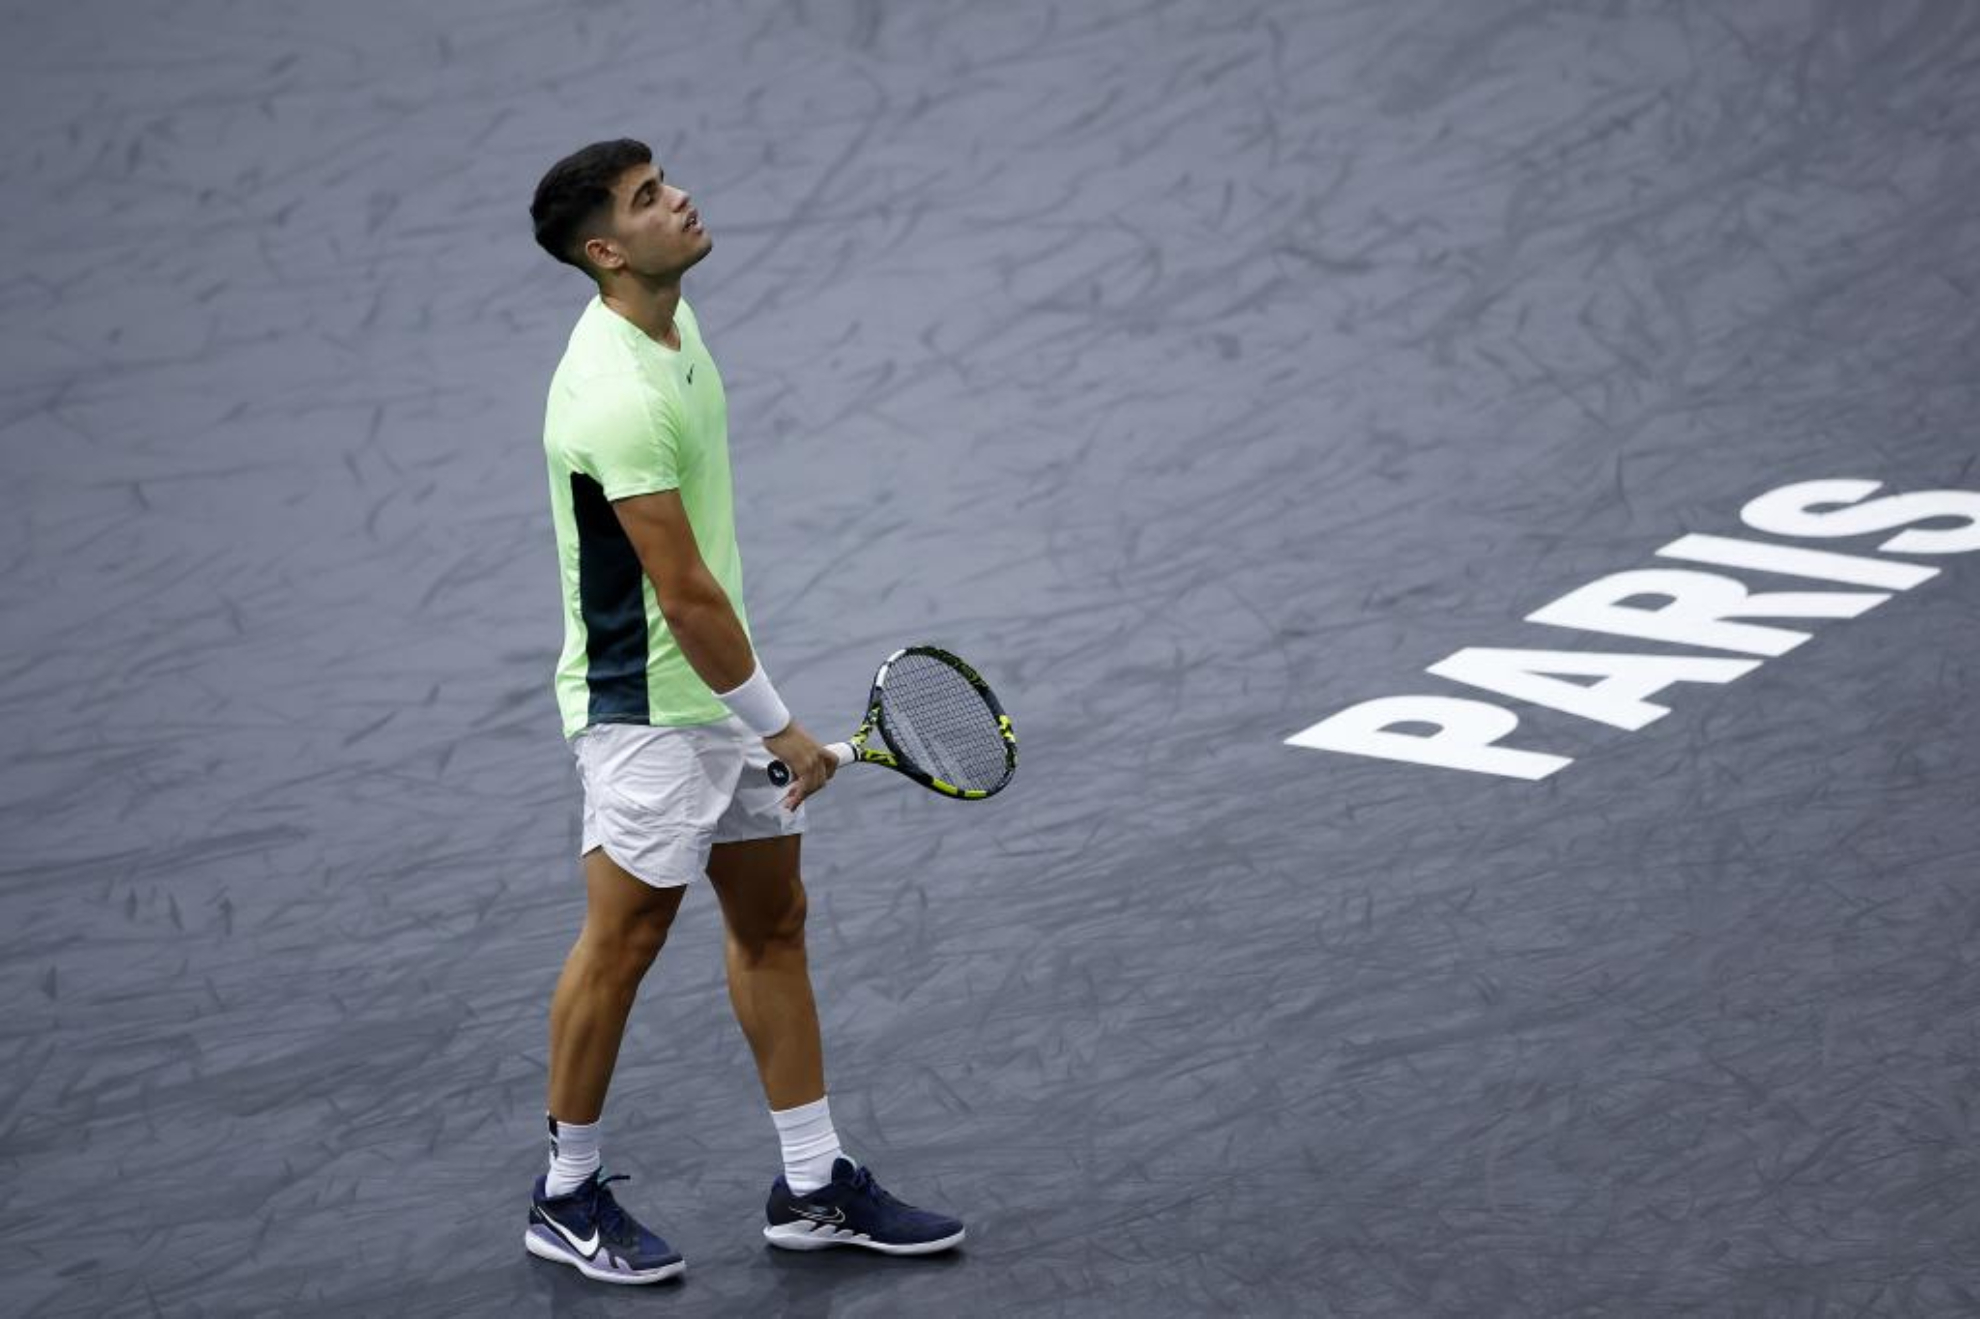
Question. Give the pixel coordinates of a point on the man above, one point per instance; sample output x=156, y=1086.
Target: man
x=674, y=724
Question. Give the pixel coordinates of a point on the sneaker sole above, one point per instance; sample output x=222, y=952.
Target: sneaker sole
x=807, y=1236
x=540, y=1246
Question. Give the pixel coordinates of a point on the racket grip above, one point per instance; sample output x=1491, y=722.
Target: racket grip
x=780, y=774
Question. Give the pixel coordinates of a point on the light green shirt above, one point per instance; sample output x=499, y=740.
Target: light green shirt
x=629, y=416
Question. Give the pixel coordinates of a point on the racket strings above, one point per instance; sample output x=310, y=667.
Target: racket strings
x=936, y=718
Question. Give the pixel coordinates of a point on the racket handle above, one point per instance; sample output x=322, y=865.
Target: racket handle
x=780, y=774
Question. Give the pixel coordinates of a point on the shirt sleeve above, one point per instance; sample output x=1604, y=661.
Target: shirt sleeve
x=625, y=439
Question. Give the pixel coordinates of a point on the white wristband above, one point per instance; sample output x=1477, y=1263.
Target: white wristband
x=757, y=704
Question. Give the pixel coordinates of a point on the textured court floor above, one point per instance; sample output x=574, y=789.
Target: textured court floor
x=1200, y=370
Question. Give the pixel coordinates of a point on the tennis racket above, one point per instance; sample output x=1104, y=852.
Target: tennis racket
x=943, y=727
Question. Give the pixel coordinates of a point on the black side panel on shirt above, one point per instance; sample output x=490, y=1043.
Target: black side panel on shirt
x=611, y=598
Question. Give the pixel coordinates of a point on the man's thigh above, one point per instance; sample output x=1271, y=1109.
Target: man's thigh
x=757, y=881
x=619, y=903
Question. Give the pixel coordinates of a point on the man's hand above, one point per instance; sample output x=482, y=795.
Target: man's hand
x=809, y=763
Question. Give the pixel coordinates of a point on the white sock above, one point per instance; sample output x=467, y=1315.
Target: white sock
x=573, y=1156
x=810, y=1144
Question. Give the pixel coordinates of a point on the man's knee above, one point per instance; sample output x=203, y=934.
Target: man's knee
x=773, y=929
x=624, y=946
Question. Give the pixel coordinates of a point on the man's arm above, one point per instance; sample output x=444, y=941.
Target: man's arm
x=696, y=608
x=705, y=625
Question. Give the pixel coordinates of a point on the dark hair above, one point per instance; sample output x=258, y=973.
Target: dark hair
x=566, y=207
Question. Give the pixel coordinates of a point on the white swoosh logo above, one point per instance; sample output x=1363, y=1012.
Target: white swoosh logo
x=818, y=1216
x=587, y=1249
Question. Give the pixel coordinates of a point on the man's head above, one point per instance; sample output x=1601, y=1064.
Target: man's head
x=609, y=212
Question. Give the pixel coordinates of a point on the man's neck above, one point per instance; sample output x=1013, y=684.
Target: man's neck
x=650, y=306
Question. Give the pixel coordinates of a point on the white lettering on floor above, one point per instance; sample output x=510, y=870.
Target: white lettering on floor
x=1712, y=611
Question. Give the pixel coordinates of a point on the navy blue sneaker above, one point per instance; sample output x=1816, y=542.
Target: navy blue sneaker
x=586, y=1228
x=854, y=1211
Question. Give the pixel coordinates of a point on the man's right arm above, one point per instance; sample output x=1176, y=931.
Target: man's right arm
x=696, y=608
x=704, y=623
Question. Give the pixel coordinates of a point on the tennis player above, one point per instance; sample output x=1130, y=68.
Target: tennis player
x=673, y=724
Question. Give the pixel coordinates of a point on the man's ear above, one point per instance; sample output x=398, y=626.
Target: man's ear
x=602, y=255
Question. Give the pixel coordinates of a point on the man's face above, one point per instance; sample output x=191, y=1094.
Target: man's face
x=655, y=228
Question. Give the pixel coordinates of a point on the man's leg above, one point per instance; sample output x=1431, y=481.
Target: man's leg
x=824, y=1199
x=625, y=923
x=763, y=908
x=574, y=1219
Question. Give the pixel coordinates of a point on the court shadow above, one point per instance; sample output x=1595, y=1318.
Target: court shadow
x=804, y=1281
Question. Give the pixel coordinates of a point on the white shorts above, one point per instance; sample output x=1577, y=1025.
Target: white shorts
x=658, y=797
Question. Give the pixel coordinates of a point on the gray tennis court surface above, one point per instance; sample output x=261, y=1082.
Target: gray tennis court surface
x=1199, y=371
